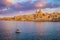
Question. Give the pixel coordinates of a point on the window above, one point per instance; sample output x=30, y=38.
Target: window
x=43, y=14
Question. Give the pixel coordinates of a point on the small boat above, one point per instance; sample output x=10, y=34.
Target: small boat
x=17, y=31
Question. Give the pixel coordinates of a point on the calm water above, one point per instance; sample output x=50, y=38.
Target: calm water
x=29, y=30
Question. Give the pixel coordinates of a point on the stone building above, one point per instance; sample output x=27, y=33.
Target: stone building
x=39, y=13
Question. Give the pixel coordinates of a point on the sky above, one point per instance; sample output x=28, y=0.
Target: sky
x=17, y=7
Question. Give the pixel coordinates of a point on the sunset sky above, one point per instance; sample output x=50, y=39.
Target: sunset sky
x=15, y=7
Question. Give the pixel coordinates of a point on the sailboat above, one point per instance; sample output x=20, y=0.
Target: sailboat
x=17, y=31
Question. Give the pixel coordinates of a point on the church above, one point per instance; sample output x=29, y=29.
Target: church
x=39, y=13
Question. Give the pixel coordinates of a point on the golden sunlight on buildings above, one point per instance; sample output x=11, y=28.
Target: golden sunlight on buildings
x=39, y=13
x=38, y=16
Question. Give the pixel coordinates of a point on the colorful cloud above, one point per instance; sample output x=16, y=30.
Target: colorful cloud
x=25, y=5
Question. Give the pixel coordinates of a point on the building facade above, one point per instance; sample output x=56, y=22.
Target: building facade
x=39, y=13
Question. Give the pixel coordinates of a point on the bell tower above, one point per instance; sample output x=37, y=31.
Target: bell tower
x=37, y=12
x=40, y=13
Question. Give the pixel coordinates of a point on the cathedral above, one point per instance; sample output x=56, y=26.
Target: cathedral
x=39, y=13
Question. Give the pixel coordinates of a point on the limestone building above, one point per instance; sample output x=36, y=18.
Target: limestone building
x=39, y=13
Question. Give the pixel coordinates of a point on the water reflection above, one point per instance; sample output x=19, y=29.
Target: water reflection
x=29, y=30
x=48, y=30
x=7, y=30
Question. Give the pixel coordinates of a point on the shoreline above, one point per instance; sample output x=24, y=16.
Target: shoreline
x=30, y=21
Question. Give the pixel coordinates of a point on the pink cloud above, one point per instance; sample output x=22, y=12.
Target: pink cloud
x=40, y=5
x=17, y=5
x=8, y=2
